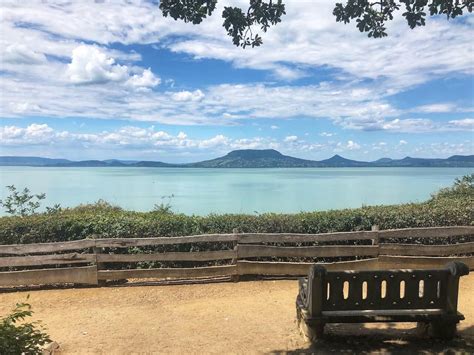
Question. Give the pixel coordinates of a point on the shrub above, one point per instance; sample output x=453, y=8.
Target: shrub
x=106, y=221
x=18, y=336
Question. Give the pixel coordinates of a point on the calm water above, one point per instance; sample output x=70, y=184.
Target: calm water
x=202, y=191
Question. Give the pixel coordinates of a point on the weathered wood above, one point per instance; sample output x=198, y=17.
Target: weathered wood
x=77, y=275
x=20, y=249
x=298, y=269
x=168, y=256
x=375, y=228
x=182, y=273
x=413, y=262
x=250, y=238
x=388, y=316
x=431, y=232
x=137, y=242
x=38, y=260
x=251, y=251
x=426, y=250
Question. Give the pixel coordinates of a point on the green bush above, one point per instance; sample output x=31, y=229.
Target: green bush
x=105, y=221
x=18, y=336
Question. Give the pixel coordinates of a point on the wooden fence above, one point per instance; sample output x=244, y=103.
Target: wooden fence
x=93, y=261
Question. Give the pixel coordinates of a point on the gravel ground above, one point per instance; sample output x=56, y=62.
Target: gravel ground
x=243, y=317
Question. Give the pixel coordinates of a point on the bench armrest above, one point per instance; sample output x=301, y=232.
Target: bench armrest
x=315, y=289
x=456, y=270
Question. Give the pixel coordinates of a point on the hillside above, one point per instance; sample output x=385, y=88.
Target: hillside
x=249, y=158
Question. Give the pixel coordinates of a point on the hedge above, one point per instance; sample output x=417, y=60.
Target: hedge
x=109, y=222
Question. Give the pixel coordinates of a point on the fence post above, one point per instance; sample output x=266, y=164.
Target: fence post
x=100, y=266
x=375, y=240
x=235, y=231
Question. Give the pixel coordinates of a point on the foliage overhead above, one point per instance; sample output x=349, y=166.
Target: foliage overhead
x=239, y=24
x=17, y=336
x=371, y=16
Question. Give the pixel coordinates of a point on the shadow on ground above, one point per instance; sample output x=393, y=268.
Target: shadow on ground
x=386, y=338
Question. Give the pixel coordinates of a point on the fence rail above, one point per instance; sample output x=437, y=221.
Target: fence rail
x=93, y=261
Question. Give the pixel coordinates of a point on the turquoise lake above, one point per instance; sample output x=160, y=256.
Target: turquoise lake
x=204, y=191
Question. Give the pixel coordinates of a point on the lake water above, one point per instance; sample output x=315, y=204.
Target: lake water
x=203, y=191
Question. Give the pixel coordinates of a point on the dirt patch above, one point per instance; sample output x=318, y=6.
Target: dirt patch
x=244, y=317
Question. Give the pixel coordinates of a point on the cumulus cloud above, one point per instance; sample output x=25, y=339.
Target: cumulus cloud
x=91, y=65
x=75, y=72
x=145, y=79
x=188, y=95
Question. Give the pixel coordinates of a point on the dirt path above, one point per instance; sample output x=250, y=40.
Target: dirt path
x=244, y=317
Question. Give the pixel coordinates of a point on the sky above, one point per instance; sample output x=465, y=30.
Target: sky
x=117, y=80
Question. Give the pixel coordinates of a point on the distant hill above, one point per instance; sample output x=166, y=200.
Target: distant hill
x=248, y=158
x=251, y=158
x=30, y=161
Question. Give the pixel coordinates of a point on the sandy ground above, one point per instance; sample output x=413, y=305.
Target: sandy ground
x=243, y=317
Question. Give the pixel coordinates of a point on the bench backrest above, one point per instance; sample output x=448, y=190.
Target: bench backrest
x=385, y=290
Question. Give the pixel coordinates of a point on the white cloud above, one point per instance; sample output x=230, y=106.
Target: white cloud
x=137, y=142
x=290, y=139
x=145, y=79
x=351, y=145
x=196, y=95
x=436, y=108
x=274, y=127
x=402, y=142
x=357, y=97
x=326, y=134
x=89, y=65
x=17, y=53
x=464, y=123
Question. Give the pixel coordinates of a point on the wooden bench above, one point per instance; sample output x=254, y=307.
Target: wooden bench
x=429, y=297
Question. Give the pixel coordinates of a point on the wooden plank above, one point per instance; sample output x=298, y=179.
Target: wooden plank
x=299, y=269
x=38, y=260
x=251, y=251
x=19, y=249
x=180, y=273
x=77, y=275
x=412, y=262
x=171, y=256
x=249, y=238
x=431, y=232
x=137, y=242
x=426, y=250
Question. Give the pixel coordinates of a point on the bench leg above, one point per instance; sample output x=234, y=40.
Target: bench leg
x=443, y=330
x=311, y=332
x=437, y=329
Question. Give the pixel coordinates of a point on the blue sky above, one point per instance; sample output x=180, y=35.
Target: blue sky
x=87, y=80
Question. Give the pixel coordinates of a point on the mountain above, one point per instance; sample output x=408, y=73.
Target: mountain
x=153, y=164
x=338, y=161
x=453, y=161
x=30, y=161
x=248, y=158
x=252, y=158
